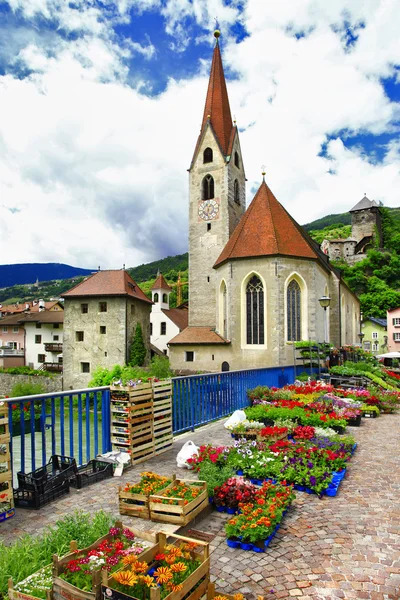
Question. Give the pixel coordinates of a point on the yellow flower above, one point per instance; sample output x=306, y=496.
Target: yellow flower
x=174, y=551
x=238, y=597
x=125, y=578
x=131, y=559
x=140, y=567
x=163, y=574
x=178, y=567
x=170, y=559
x=147, y=580
x=176, y=587
x=190, y=546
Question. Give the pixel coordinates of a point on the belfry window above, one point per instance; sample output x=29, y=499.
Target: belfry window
x=236, y=160
x=236, y=193
x=293, y=312
x=208, y=187
x=207, y=155
x=255, y=311
x=155, y=299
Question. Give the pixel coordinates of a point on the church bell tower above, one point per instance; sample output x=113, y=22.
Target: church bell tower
x=217, y=194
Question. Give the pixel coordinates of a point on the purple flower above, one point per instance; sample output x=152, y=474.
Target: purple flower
x=313, y=481
x=310, y=465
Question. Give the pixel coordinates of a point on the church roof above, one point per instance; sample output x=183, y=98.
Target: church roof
x=161, y=284
x=108, y=283
x=364, y=204
x=179, y=316
x=267, y=229
x=198, y=335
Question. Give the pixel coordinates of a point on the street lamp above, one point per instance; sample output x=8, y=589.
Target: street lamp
x=361, y=336
x=325, y=302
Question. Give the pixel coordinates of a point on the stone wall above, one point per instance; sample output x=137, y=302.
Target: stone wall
x=50, y=384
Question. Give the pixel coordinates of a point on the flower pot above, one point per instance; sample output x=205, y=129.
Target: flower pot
x=331, y=490
x=239, y=472
x=233, y=543
x=299, y=488
x=354, y=421
x=220, y=508
x=231, y=511
x=338, y=428
x=246, y=546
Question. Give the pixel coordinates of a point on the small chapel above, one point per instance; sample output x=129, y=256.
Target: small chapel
x=255, y=276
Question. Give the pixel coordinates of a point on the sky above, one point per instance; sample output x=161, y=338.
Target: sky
x=101, y=103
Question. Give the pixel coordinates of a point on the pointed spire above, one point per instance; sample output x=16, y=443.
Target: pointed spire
x=217, y=109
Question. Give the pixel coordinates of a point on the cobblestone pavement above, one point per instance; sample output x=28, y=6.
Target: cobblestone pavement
x=342, y=547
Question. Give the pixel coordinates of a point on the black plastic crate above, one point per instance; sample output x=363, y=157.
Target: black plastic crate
x=94, y=471
x=35, y=499
x=58, y=470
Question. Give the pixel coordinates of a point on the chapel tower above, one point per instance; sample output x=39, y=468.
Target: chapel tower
x=217, y=194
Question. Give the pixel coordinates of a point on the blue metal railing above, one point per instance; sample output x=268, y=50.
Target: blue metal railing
x=199, y=399
x=75, y=423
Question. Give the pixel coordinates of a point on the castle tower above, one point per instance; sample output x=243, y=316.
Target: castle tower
x=160, y=293
x=366, y=220
x=216, y=194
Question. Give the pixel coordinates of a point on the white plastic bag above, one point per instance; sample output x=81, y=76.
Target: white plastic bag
x=237, y=417
x=188, y=450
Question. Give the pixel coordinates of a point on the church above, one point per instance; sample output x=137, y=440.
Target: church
x=255, y=276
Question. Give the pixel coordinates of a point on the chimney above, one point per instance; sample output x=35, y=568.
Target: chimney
x=41, y=305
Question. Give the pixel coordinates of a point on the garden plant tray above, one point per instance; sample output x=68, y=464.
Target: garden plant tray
x=63, y=590
x=16, y=595
x=261, y=546
x=178, y=513
x=194, y=587
x=133, y=505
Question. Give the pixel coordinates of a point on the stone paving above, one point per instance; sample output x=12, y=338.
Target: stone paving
x=342, y=547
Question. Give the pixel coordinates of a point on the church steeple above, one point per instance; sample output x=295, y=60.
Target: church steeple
x=217, y=109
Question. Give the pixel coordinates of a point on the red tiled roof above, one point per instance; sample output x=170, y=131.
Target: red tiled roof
x=179, y=316
x=161, y=284
x=267, y=229
x=108, y=283
x=45, y=316
x=198, y=335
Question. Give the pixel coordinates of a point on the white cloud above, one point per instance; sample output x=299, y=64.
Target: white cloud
x=98, y=170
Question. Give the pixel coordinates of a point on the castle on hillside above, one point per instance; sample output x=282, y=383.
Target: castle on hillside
x=366, y=232
x=256, y=278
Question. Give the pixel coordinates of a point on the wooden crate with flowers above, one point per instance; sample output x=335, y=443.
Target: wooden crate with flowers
x=41, y=581
x=180, y=502
x=77, y=576
x=171, y=571
x=7, y=509
x=134, y=498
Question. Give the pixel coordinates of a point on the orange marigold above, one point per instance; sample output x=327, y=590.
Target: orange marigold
x=125, y=578
x=131, y=559
x=163, y=575
x=178, y=567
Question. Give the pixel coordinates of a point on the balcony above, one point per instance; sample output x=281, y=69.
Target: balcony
x=53, y=347
x=52, y=366
x=11, y=352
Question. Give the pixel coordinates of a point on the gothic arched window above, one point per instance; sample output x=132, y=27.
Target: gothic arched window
x=293, y=312
x=156, y=297
x=255, y=311
x=236, y=160
x=236, y=193
x=208, y=187
x=207, y=155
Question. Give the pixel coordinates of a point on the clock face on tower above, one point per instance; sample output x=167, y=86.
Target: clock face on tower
x=208, y=210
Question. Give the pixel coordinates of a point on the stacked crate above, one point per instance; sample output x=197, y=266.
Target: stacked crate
x=6, y=491
x=141, y=419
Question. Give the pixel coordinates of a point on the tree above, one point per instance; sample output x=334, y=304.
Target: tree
x=138, y=349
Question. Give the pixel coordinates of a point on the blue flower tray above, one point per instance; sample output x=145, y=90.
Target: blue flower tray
x=7, y=514
x=254, y=547
x=333, y=488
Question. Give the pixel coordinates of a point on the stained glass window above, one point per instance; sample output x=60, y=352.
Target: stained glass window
x=293, y=311
x=255, y=311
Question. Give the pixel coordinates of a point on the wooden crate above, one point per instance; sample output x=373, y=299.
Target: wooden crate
x=162, y=399
x=15, y=595
x=139, y=509
x=62, y=590
x=179, y=513
x=194, y=587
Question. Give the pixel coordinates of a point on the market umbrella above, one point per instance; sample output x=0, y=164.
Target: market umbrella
x=389, y=355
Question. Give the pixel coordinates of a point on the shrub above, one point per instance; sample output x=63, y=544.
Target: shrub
x=160, y=367
x=138, y=349
x=27, y=389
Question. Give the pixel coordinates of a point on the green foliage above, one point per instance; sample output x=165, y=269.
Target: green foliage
x=214, y=474
x=26, y=371
x=337, y=231
x=159, y=367
x=149, y=271
x=138, y=350
x=29, y=554
x=329, y=221
x=27, y=389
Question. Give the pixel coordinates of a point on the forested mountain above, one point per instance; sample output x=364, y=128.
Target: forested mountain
x=31, y=272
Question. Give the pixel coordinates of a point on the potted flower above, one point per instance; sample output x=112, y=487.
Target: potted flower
x=228, y=496
x=370, y=411
x=273, y=434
